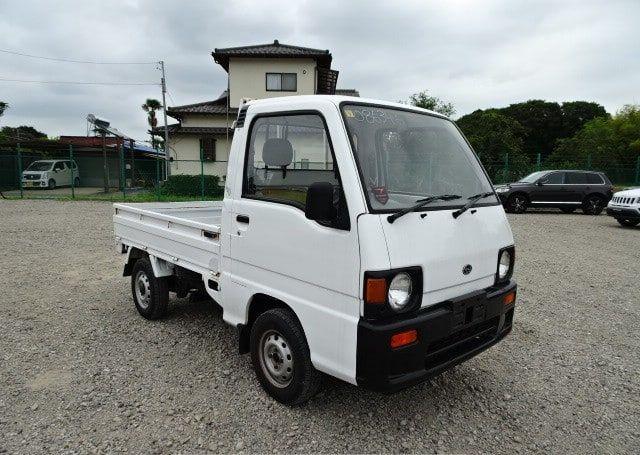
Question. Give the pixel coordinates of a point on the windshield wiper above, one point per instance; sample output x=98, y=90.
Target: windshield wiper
x=421, y=203
x=471, y=202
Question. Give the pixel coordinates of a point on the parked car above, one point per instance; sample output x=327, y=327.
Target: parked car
x=565, y=190
x=51, y=174
x=624, y=206
x=373, y=269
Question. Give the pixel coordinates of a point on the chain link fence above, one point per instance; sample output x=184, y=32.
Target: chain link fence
x=57, y=171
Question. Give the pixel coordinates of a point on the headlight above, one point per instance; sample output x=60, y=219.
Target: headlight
x=505, y=264
x=400, y=291
x=502, y=190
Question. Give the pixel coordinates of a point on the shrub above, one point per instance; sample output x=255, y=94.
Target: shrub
x=190, y=185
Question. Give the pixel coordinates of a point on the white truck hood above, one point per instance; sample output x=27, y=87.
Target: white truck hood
x=630, y=192
x=443, y=246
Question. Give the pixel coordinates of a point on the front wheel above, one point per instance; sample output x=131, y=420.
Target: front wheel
x=627, y=223
x=150, y=294
x=517, y=203
x=593, y=205
x=281, y=359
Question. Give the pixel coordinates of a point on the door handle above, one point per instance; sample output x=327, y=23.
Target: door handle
x=242, y=219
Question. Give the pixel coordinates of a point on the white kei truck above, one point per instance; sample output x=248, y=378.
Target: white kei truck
x=357, y=238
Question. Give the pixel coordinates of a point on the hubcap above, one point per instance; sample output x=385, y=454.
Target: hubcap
x=276, y=358
x=143, y=290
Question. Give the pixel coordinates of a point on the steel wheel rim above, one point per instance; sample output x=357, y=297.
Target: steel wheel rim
x=276, y=358
x=143, y=290
x=518, y=203
x=594, y=203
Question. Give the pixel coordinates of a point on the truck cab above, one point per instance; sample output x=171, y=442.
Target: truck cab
x=357, y=238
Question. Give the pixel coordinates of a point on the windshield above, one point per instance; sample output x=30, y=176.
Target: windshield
x=405, y=156
x=532, y=178
x=40, y=166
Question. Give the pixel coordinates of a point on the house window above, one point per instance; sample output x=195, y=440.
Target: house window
x=208, y=149
x=282, y=82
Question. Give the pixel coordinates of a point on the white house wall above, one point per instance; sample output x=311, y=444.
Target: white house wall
x=247, y=77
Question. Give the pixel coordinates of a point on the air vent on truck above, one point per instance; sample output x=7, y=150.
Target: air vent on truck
x=242, y=114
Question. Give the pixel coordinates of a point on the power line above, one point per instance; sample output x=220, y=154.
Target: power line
x=2, y=79
x=66, y=60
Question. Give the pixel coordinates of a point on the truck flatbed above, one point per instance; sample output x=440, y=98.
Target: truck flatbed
x=180, y=233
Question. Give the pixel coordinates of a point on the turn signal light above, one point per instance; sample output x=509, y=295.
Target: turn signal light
x=376, y=291
x=404, y=338
x=509, y=298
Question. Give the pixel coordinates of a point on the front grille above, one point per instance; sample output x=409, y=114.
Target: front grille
x=32, y=177
x=625, y=200
x=461, y=342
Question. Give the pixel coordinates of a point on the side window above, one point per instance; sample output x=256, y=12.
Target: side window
x=555, y=178
x=576, y=178
x=287, y=154
x=594, y=179
x=58, y=166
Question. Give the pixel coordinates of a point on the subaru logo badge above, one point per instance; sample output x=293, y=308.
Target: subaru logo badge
x=466, y=270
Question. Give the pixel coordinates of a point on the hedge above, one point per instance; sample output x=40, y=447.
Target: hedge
x=191, y=185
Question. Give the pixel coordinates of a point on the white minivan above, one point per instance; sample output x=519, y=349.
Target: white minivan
x=51, y=174
x=357, y=238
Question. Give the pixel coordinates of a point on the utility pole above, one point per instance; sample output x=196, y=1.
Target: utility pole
x=164, y=110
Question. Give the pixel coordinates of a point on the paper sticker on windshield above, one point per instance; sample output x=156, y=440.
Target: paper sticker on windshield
x=348, y=113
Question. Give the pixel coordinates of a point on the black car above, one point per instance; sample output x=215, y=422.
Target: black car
x=565, y=190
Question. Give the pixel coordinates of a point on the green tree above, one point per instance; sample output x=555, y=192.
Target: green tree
x=493, y=136
x=22, y=133
x=611, y=144
x=150, y=106
x=542, y=122
x=433, y=103
x=3, y=107
x=576, y=113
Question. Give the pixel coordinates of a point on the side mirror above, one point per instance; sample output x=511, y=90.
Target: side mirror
x=539, y=183
x=319, y=206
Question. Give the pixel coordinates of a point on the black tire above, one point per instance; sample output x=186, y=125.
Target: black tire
x=76, y=182
x=627, y=223
x=51, y=184
x=517, y=203
x=275, y=335
x=593, y=205
x=150, y=294
x=567, y=209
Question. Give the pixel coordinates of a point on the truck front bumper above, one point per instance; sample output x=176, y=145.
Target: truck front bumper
x=624, y=213
x=448, y=334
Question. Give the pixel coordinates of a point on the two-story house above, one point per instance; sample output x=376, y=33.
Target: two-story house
x=260, y=71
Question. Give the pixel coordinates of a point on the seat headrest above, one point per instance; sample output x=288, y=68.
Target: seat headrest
x=277, y=152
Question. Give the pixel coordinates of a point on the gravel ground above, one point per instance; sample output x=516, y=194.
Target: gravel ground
x=82, y=372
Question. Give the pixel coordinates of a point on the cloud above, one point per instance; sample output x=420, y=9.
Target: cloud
x=474, y=54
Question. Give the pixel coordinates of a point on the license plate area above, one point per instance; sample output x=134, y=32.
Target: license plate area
x=467, y=312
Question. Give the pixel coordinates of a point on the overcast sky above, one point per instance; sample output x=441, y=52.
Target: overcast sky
x=475, y=54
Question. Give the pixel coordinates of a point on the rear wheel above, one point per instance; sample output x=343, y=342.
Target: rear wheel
x=627, y=223
x=568, y=209
x=517, y=203
x=52, y=184
x=76, y=182
x=150, y=294
x=593, y=205
x=281, y=359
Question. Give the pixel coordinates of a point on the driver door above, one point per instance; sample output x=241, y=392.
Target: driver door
x=549, y=189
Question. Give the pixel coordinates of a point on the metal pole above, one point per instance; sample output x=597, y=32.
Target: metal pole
x=538, y=162
x=20, y=170
x=506, y=167
x=637, y=171
x=589, y=161
x=73, y=177
x=105, y=165
x=157, y=177
x=201, y=173
x=164, y=111
x=122, y=166
x=133, y=163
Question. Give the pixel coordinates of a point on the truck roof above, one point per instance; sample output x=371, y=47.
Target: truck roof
x=336, y=100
